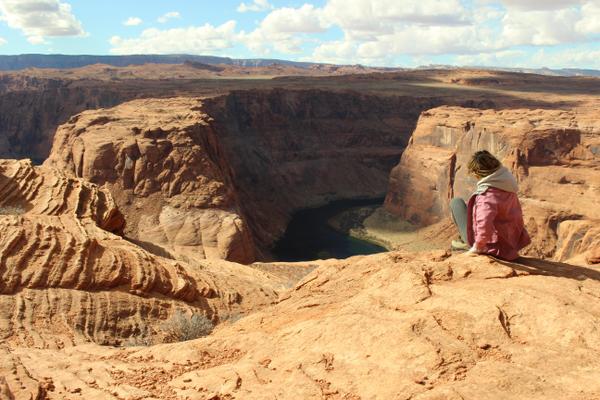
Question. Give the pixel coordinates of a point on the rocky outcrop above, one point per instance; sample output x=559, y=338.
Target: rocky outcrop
x=293, y=149
x=65, y=279
x=553, y=153
x=220, y=177
x=463, y=328
x=161, y=161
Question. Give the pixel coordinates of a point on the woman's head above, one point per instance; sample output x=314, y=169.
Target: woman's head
x=483, y=163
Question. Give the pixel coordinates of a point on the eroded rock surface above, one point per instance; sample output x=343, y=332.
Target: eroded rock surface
x=65, y=279
x=294, y=149
x=554, y=154
x=396, y=325
x=162, y=162
x=219, y=177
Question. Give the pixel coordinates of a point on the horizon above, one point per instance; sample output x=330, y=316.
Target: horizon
x=529, y=34
x=276, y=60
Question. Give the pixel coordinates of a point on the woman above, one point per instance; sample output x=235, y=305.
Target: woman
x=492, y=222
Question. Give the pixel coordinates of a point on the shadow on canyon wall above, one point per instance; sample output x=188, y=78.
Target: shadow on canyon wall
x=32, y=108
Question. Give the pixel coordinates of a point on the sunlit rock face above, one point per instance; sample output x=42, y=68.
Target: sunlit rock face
x=220, y=177
x=554, y=155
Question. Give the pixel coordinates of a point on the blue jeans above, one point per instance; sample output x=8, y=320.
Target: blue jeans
x=458, y=210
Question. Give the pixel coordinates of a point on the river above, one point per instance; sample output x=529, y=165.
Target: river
x=309, y=236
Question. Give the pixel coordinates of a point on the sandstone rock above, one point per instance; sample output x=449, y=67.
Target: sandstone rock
x=294, y=149
x=65, y=279
x=160, y=160
x=593, y=256
x=420, y=325
x=219, y=178
x=551, y=152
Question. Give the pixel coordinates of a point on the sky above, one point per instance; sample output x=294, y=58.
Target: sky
x=393, y=33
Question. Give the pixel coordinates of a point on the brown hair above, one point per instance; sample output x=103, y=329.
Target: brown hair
x=483, y=163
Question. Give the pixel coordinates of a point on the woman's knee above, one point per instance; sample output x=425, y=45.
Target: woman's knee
x=457, y=202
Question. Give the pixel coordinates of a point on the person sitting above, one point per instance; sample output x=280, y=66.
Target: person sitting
x=492, y=220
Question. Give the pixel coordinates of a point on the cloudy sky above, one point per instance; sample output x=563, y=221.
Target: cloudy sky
x=525, y=33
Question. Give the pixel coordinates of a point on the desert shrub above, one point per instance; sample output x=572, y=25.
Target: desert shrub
x=138, y=341
x=11, y=210
x=232, y=317
x=182, y=326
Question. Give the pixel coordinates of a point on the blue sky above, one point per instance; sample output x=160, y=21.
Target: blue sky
x=512, y=33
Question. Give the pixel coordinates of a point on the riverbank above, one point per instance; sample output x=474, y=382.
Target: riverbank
x=309, y=236
x=374, y=224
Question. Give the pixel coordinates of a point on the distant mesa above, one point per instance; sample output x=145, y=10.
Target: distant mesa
x=203, y=66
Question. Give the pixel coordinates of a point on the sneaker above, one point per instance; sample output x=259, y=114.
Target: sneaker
x=459, y=245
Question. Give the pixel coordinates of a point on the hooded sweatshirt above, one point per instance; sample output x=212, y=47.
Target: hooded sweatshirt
x=495, y=219
x=502, y=179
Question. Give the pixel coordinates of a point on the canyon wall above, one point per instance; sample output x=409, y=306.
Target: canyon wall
x=32, y=108
x=66, y=279
x=161, y=161
x=554, y=154
x=290, y=150
x=220, y=177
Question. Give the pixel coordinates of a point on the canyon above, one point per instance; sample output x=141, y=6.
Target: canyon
x=158, y=202
x=555, y=155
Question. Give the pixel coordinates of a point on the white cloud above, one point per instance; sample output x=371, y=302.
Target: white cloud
x=362, y=18
x=505, y=58
x=39, y=19
x=569, y=58
x=132, y=21
x=487, y=31
x=419, y=40
x=193, y=40
x=336, y=52
x=256, y=5
x=540, y=4
x=280, y=28
x=306, y=19
x=575, y=57
x=2, y=41
x=170, y=15
x=540, y=27
x=380, y=32
x=377, y=31
x=590, y=23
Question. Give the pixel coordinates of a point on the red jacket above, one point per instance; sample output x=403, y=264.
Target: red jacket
x=495, y=223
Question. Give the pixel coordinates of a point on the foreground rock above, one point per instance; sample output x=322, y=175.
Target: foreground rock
x=65, y=279
x=554, y=154
x=390, y=326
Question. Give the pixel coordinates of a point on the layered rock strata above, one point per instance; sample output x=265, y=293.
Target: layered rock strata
x=554, y=154
x=220, y=177
x=290, y=150
x=162, y=162
x=65, y=279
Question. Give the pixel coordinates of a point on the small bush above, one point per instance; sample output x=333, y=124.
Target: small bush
x=11, y=210
x=181, y=327
x=138, y=341
x=232, y=318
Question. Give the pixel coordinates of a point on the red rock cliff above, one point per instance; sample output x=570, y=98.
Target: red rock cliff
x=220, y=177
x=555, y=155
x=65, y=279
x=292, y=149
x=160, y=160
